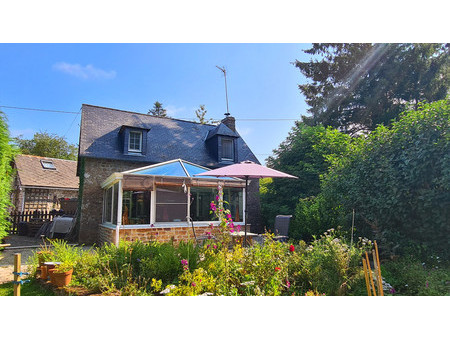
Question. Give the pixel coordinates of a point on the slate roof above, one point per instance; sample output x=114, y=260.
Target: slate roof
x=31, y=172
x=167, y=138
x=221, y=129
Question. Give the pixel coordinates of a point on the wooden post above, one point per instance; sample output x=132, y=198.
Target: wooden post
x=379, y=269
x=366, y=276
x=370, y=275
x=16, y=276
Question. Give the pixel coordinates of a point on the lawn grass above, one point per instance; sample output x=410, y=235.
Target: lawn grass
x=32, y=288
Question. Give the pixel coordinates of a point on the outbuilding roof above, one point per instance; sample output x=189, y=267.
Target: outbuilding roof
x=46, y=172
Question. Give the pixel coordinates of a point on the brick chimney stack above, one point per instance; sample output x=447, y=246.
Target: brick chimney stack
x=230, y=122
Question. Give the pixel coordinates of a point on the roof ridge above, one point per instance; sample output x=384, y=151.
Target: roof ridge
x=158, y=117
x=50, y=158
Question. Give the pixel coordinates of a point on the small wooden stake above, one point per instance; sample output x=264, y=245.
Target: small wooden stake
x=370, y=274
x=366, y=276
x=380, y=281
x=16, y=276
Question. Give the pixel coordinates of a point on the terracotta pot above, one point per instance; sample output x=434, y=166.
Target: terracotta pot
x=44, y=274
x=50, y=272
x=61, y=278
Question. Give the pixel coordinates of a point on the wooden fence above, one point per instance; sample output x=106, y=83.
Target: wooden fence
x=27, y=216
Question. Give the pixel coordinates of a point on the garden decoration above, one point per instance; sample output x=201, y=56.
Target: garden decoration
x=371, y=290
x=245, y=170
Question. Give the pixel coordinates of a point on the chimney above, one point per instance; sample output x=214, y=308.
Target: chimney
x=230, y=122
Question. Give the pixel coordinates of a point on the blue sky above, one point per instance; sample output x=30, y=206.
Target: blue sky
x=262, y=83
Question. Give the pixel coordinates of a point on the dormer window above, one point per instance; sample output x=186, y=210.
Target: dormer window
x=135, y=142
x=227, y=149
x=46, y=164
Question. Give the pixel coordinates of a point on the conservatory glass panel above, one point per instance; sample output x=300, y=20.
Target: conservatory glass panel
x=201, y=199
x=135, y=207
x=170, y=169
x=107, y=206
x=234, y=197
x=171, y=204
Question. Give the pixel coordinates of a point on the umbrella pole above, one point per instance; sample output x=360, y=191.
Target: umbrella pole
x=246, y=210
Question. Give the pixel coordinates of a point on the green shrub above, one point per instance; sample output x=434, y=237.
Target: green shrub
x=7, y=153
x=329, y=265
x=411, y=277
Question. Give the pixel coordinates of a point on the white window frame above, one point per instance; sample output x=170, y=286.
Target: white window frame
x=140, y=142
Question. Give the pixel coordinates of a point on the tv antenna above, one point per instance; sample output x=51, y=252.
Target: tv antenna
x=226, y=92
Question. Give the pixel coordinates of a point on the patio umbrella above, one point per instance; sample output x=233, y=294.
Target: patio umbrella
x=246, y=170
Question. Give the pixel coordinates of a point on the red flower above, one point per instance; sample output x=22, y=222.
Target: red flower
x=277, y=269
x=292, y=248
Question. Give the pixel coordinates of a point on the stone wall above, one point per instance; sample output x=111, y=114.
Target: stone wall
x=178, y=234
x=97, y=170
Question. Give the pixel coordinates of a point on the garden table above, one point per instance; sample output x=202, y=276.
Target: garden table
x=238, y=237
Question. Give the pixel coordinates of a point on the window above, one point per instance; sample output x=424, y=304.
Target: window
x=48, y=165
x=235, y=200
x=227, y=149
x=107, y=206
x=201, y=199
x=171, y=204
x=135, y=142
x=136, y=207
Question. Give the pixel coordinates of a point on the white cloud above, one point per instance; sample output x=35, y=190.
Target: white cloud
x=84, y=72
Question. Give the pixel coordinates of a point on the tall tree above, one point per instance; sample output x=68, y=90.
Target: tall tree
x=200, y=114
x=47, y=145
x=7, y=153
x=157, y=110
x=355, y=87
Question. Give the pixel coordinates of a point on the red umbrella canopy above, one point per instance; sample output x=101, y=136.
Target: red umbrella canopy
x=245, y=169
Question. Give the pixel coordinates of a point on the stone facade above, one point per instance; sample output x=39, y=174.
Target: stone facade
x=177, y=234
x=95, y=171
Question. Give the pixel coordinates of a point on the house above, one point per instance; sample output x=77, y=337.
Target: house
x=137, y=176
x=42, y=182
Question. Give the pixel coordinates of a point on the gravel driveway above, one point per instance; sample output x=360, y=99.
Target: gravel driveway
x=7, y=255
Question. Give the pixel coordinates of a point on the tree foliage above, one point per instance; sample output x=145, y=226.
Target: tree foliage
x=302, y=154
x=7, y=153
x=397, y=180
x=47, y=145
x=158, y=110
x=355, y=87
x=200, y=114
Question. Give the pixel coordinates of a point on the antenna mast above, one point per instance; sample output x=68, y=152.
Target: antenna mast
x=226, y=92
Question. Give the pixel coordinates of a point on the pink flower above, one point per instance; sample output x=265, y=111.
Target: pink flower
x=184, y=262
x=229, y=215
x=193, y=284
x=212, y=206
x=215, y=246
x=217, y=198
x=288, y=284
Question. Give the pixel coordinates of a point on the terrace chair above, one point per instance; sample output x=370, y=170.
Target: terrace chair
x=198, y=239
x=282, y=227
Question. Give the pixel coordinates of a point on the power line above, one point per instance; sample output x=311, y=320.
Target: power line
x=46, y=110
x=181, y=118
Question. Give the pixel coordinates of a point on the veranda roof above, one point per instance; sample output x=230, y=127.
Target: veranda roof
x=171, y=173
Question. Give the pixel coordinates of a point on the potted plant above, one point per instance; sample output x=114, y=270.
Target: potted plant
x=62, y=274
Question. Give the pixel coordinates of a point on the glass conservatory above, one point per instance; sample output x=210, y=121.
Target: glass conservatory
x=167, y=195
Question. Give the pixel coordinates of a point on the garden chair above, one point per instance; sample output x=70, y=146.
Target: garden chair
x=282, y=227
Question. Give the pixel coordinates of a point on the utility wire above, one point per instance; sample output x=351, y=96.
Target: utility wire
x=46, y=110
x=180, y=118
